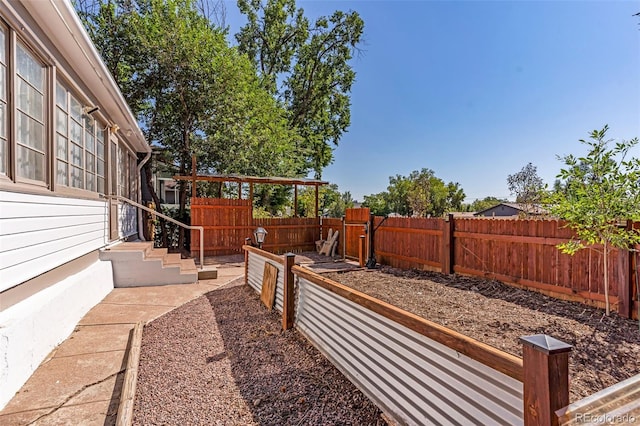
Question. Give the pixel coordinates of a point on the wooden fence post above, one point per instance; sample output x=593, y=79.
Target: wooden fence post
x=546, y=378
x=288, y=293
x=625, y=281
x=361, y=250
x=447, y=245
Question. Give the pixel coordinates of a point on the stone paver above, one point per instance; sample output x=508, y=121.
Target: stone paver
x=81, y=380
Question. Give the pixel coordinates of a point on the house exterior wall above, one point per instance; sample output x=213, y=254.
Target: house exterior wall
x=32, y=328
x=499, y=211
x=39, y=233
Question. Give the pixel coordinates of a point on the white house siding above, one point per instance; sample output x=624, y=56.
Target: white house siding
x=32, y=328
x=39, y=233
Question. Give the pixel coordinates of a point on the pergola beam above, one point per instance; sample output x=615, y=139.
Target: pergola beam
x=254, y=179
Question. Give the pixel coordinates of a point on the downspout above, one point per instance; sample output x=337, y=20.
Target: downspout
x=140, y=219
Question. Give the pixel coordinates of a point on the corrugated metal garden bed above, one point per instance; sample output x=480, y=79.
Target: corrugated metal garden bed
x=605, y=348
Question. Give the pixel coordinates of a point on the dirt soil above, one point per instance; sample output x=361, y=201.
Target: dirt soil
x=222, y=359
x=606, y=349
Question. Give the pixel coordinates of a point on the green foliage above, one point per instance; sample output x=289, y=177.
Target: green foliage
x=420, y=194
x=483, y=204
x=273, y=199
x=331, y=202
x=377, y=203
x=527, y=186
x=192, y=93
x=306, y=68
x=601, y=191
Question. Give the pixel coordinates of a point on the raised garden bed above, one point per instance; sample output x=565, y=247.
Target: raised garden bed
x=606, y=349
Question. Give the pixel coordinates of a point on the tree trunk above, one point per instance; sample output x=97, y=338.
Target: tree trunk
x=148, y=173
x=182, y=195
x=606, y=278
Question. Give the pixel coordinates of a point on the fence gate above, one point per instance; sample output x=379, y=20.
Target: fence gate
x=356, y=224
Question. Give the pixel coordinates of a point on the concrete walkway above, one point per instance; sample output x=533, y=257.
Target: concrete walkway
x=81, y=380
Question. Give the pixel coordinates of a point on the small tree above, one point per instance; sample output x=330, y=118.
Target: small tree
x=527, y=186
x=602, y=189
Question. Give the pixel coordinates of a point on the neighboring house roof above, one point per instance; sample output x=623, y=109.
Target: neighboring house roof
x=532, y=209
x=69, y=37
x=462, y=214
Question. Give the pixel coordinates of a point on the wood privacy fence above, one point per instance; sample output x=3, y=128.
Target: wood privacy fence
x=228, y=222
x=519, y=252
x=416, y=371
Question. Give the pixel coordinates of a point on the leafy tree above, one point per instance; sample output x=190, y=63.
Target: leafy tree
x=398, y=195
x=602, y=189
x=191, y=92
x=527, y=186
x=377, y=203
x=306, y=67
x=419, y=194
x=331, y=202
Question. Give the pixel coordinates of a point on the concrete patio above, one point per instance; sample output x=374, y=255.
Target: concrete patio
x=80, y=382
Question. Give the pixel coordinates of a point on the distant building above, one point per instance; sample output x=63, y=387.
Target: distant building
x=463, y=215
x=512, y=209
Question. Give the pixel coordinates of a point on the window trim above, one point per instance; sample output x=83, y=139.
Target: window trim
x=47, y=71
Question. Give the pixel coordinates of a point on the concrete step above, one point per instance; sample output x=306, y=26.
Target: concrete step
x=188, y=265
x=137, y=264
x=171, y=259
x=157, y=253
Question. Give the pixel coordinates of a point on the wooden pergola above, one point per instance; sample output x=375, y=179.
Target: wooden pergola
x=239, y=179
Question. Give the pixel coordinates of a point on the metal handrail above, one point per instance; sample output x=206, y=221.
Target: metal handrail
x=165, y=217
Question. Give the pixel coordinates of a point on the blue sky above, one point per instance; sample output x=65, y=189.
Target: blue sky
x=475, y=90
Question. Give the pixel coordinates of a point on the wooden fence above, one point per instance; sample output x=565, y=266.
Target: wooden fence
x=228, y=222
x=519, y=252
x=403, y=243
x=524, y=252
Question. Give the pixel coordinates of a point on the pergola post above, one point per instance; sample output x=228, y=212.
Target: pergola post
x=295, y=200
x=316, y=200
x=251, y=197
x=194, y=193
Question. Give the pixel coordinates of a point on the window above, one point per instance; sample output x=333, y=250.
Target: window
x=123, y=172
x=4, y=148
x=100, y=160
x=133, y=193
x=46, y=136
x=80, y=139
x=30, y=101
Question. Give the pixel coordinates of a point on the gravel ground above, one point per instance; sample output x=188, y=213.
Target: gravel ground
x=223, y=360
x=606, y=349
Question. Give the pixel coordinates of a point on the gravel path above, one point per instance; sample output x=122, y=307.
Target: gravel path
x=606, y=349
x=223, y=360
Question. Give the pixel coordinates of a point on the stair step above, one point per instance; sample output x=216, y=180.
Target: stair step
x=171, y=259
x=188, y=266
x=138, y=264
x=132, y=246
x=157, y=253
